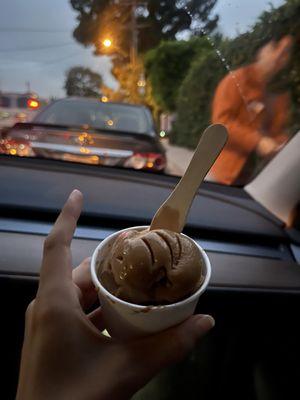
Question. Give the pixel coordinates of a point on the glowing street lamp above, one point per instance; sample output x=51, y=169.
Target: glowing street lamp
x=141, y=83
x=107, y=43
x=104, y=99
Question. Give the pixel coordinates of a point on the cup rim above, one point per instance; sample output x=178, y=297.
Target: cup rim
x=140, y=307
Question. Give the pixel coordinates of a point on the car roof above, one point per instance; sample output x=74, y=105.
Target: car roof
x=94, y=100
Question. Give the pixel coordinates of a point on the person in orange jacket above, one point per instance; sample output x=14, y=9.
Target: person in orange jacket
x=255, y=119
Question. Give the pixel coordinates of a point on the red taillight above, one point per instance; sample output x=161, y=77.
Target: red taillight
x=156, y=161
x=33, y=103
x=150, y=161
x=15, y=147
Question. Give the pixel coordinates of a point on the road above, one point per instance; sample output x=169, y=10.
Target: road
x=178, y=158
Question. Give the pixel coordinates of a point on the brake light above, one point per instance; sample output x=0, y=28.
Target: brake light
x=33, y=103
x=149, y=161
x=13, y=147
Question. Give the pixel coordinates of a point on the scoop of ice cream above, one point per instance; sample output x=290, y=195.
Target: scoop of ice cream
x=152, y=267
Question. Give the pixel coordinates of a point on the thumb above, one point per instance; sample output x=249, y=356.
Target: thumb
x=172, y=345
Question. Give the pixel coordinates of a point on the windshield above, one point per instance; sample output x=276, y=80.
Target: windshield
x=95, y=114
x=165, y=70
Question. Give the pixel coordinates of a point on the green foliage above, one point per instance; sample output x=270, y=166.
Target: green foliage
x=197, y=89
x=168, y=64
x=82, y=82
x=194, y=99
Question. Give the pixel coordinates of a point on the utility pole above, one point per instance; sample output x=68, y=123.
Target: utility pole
x=136, y=82
x=28, y=86
x=133, y=49
x=134, y=36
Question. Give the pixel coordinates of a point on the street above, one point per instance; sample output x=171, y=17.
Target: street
x=178, y=158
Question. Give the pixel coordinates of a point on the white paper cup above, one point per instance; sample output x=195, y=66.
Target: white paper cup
x=127, y=320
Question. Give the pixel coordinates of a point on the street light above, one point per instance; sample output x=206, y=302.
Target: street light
x=141, y=83
x=107, y=43
x=104, y=99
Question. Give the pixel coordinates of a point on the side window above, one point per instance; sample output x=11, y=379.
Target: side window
x=22, y=102
x=5, y=101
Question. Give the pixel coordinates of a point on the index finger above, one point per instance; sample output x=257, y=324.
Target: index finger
x=56, y=265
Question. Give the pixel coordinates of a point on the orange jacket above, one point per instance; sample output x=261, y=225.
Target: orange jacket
x=242, y=104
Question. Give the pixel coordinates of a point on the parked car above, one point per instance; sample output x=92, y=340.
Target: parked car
x=18, y=107
x=92, y=132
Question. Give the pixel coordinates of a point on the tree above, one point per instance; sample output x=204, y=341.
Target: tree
x=128, y=77
x=82, y=82
x=168, y=64
x=156, y=20
x=129, y=91
x=194, y=99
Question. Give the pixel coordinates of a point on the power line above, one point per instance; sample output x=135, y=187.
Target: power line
x=31, y=30
x=58, y=60
x=50, y=46
x=45, y=63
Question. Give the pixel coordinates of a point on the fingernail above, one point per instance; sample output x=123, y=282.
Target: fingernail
x=205, y=321
x=75, y=192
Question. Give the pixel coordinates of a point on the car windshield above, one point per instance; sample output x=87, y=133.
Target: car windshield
x=95, y=114
x=164, y=70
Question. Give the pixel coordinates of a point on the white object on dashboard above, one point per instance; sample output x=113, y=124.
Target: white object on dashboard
x=277, y=186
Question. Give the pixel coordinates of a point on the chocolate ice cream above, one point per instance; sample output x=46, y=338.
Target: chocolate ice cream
x=152, y=267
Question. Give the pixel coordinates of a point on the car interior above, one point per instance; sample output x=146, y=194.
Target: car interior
x=253, y=350
x=119, y=120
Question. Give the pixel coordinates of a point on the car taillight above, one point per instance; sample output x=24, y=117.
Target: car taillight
x=33, y=104
x=13, y=147
x=150, y=161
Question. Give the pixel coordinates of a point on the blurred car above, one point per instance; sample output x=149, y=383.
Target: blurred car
x=18, y=107
x=89, y=131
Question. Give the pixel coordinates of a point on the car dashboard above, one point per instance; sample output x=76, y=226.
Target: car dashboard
x=255, y=265
x=248, y=246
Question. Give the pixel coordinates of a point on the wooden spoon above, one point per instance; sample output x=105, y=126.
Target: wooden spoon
x=173, y=212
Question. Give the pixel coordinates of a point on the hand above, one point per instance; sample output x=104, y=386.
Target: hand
x=65, y=355
x=266, y=146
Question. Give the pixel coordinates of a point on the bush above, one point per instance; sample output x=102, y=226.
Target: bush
x=167, y=65
x=194, y=99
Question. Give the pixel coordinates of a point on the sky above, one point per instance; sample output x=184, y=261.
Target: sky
x=36, y=43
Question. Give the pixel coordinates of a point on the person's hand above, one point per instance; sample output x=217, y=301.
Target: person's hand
x=266, y=146
x=65, y=355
